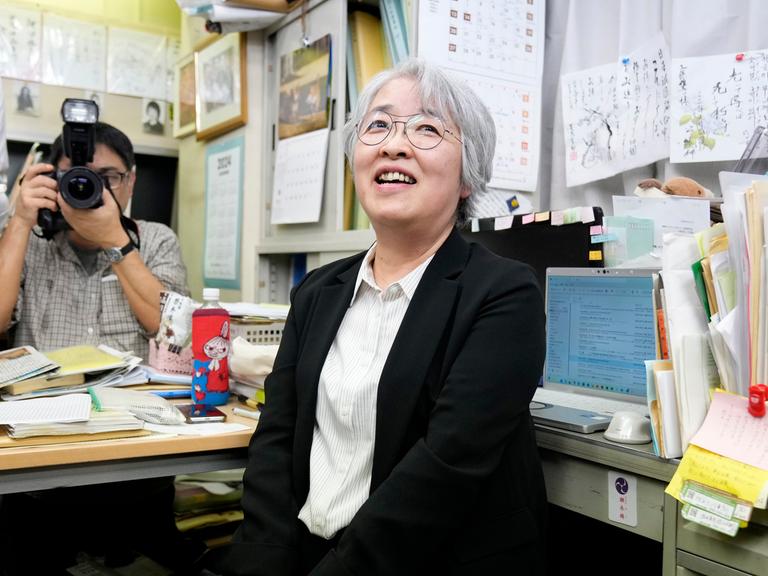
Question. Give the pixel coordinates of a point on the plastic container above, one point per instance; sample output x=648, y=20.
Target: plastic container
x=210, y=350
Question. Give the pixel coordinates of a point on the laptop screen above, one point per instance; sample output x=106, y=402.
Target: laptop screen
x=600, y=330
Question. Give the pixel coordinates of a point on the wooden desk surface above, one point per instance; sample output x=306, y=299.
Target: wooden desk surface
x=30, y=457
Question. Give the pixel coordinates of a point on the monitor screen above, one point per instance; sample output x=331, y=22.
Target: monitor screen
x=600, y=330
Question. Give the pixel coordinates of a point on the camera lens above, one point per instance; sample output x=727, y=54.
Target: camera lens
x=81, y=187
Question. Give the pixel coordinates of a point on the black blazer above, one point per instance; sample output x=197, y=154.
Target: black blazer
x=457, y=486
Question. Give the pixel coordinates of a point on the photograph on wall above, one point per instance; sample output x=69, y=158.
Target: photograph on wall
x=305, y=81
x=27, y=98
x=221, y=87
x=153, y=117
x=184, y=97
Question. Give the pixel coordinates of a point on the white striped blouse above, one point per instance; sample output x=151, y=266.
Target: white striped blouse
x=341, y=459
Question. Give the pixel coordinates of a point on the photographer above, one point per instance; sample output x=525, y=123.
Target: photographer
x=67, y=290
x=90, y=284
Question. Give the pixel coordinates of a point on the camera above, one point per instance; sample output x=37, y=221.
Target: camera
x=80, y=187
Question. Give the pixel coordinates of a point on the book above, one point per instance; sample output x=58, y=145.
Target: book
x=395, y=31
x=43, y=382
x=367, y=46
x=351, y=72
x=349, y=198
x=23, y=362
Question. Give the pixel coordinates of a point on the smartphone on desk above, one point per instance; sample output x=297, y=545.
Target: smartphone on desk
x=197, y=413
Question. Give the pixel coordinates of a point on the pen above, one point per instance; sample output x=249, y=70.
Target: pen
x=172, y=393
x=254, y=414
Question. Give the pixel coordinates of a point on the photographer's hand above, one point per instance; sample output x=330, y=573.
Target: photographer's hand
x=100, y=226
x=38, y=190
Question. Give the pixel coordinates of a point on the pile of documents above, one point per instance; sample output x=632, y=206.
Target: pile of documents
x=722, y=477
x=27, y=373
x=67, y=417
x=714, y=314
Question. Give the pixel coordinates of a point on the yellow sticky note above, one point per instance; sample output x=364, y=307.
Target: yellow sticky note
x=742, y=480
x=595, y=255
x=541, y=217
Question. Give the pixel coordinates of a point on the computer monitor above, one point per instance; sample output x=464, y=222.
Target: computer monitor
x=600, y=330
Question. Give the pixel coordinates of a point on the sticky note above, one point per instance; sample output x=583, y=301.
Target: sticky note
x=558, y=218
x=502, y=222
x=603, y=238
x=541, y=216
x=528, y=218
x=742, y=480
x=595, y=255
x=572, y=215
x=587, y=214
x=596, y=229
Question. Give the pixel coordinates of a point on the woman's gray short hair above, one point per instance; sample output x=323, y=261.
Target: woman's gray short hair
x=448, y=98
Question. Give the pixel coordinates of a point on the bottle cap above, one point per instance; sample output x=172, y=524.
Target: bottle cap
x=210, y=293
x=756, y=405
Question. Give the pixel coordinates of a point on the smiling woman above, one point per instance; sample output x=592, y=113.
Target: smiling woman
x=398, y=441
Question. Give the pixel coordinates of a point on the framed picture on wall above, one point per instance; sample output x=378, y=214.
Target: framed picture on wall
x=184, y=97
x=221, y=87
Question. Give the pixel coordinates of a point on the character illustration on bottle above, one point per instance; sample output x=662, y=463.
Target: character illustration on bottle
x=211, y=376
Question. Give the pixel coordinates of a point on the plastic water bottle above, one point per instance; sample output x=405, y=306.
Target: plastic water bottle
x=210, y=348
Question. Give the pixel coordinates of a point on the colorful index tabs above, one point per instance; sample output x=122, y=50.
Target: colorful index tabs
x=502, y=222
x=528, y=218
x=541, y=216
x=595, y=255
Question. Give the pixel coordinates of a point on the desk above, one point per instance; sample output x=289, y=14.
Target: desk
x=575, y=469
x=95, y=462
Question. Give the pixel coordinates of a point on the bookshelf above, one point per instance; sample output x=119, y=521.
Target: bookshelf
x=326, y=240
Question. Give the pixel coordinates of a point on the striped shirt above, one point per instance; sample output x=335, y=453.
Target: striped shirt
x=61, y=304
x=341, y=459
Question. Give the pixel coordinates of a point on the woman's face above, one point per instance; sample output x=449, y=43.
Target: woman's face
x=399, y=184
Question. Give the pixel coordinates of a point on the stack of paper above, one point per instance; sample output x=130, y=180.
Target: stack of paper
x=695, y=373
x=98, y=422
x=79, y=367
x=725, y=467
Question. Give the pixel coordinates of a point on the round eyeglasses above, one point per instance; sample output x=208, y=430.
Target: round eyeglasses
x=422, y=130
x=113, y=178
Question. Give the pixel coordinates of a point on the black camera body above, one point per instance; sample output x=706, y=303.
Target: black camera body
x=80, y=187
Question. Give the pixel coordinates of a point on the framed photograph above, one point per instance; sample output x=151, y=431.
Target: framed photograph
x=304, y=88
x=184, y=97
x=221, y=87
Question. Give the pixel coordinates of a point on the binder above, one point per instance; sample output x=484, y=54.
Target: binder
x=367, y=46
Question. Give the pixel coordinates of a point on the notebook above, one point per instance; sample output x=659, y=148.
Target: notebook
x=600, y=330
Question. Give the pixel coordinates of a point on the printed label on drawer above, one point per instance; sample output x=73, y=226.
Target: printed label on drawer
x=622, y=498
